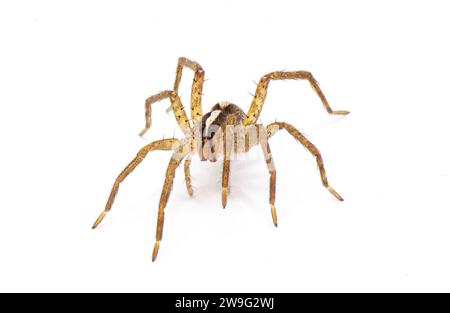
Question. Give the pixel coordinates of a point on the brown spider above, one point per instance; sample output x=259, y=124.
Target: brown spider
x=223, y=132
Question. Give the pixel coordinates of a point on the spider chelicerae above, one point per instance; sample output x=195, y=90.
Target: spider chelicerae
x=222, y=133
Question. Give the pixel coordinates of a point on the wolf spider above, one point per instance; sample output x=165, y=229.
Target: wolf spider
x=225, y=130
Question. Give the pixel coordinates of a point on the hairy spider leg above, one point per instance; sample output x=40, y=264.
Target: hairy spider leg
x=165, y=144
x=176, y=105
x=273, y=175
x=225, y=180
x=229, y=144
x=187, y=175
x=263, y=84
x=274, y=127
x=197, y=86
x=165, y=193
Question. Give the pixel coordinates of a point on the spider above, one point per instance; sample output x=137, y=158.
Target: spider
x=221, y=133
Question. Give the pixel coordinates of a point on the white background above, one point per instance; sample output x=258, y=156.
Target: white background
x=73, y=80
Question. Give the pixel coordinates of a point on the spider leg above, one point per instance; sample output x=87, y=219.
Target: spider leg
x=273, y=176
x=261, y=93
x=197, y=85
x=165, y=144
x=274, y=127
x=231, y=136
x=187, y=176
x=225, y=179
x=176, y=105
x=167, y=187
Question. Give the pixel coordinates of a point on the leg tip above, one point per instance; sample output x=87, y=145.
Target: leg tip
x=142, y=132
x=99, y=220
x=274, y=215
x=155, y=251
x=341, y=112
x=335, y=194
x=224, y=197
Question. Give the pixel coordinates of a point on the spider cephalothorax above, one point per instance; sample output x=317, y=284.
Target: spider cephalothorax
x=219, y=134
x=213, y=128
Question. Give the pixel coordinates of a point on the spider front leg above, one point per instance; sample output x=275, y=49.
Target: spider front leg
x=167, y=187
x=274, y=127
x=230, y=143
x=187, y=176
x=261, y=93
x=165, y=144
x=176, y=105
x=197, y=85
x=225, y=181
